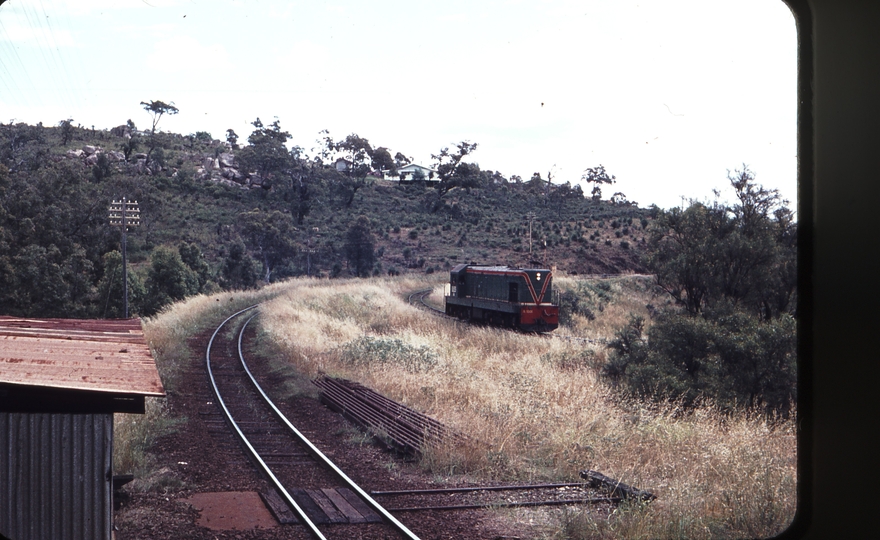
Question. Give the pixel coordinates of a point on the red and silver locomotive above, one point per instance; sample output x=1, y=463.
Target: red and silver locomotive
x=503, y=296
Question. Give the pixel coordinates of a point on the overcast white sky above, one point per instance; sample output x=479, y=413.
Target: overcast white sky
x=667, y=95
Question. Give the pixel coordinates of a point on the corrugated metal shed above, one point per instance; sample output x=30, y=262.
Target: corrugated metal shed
x=61, y=380
x=55, y=476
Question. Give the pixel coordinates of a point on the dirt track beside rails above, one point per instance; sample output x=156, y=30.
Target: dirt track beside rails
x=200, y=458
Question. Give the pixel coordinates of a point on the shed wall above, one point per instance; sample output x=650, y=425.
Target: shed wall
x=55, y=475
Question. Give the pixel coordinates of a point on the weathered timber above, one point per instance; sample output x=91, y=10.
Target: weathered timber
x=278, y=507
x=615, y=487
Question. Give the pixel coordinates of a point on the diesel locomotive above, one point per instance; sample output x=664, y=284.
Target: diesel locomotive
x=503, y=296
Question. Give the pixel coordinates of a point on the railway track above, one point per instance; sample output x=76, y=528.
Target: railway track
x=418, y=297
x=308, y=488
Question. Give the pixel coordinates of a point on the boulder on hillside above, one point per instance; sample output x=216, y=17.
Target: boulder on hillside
x=139, y=155
x=116, y=156
x=75, y=153
x=121, y=131
x=226, y=160
x=92, y=159
x=89, y=149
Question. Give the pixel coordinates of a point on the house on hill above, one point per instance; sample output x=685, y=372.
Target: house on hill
x=413, y=172
x=342, y=165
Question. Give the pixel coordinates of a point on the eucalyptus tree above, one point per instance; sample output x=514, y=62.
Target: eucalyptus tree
x=157, y=109
x=597, y=176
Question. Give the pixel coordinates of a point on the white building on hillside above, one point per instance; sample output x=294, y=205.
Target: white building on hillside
x=412, y=171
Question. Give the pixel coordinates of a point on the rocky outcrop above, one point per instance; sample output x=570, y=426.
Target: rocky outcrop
x=222, y=169
x=226, y=160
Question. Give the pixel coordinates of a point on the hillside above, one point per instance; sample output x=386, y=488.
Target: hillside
x=252, y=218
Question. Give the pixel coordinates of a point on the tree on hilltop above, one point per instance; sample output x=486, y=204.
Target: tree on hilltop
x=67, y=130
x=453, y=172
x=157, y=109
x=266, y=153
x=358, y=157
x=597, y=176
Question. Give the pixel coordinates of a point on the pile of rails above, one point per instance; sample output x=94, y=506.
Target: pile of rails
x=405, y=429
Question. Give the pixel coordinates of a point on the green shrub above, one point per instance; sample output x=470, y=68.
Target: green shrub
x=737, y=360
x=367, y=350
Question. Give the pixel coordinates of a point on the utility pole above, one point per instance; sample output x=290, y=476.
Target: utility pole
x=530, y=216
x=309, y=251
x=124, y=214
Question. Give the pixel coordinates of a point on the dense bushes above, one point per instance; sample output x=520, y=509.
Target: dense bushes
x=744, y=254
x=733, y=358
x=733, y=272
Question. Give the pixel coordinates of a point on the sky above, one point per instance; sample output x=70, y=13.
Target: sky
x=668, y=95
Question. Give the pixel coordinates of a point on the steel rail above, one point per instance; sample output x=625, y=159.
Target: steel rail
x=557, y=502
x=304, y=519
x=517, y=487
x=364, y=416
x=317, y=453
x=378, y=408
x=381, y=402
x=424, y=293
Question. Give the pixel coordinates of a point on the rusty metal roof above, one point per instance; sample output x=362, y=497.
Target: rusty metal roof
x=79, y=354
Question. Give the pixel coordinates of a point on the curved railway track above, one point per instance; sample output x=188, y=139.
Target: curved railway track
x=310, y=490
x=420, y=296
x=304, y=479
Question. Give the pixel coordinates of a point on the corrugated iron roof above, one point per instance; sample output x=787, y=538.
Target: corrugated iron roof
x=81, y=354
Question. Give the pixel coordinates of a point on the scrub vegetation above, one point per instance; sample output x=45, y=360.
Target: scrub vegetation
x=544, y=408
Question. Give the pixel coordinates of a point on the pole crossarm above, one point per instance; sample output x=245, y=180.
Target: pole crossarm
x=124, y=214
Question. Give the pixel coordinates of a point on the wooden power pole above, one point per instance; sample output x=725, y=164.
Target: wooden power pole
x=124, y=214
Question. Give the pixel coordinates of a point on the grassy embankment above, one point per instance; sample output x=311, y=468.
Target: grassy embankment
x=540, y=405
x=167, y=335
x=543, y=409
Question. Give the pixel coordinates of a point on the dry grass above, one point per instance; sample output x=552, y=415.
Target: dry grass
x=542, y=409
x=538, y=404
